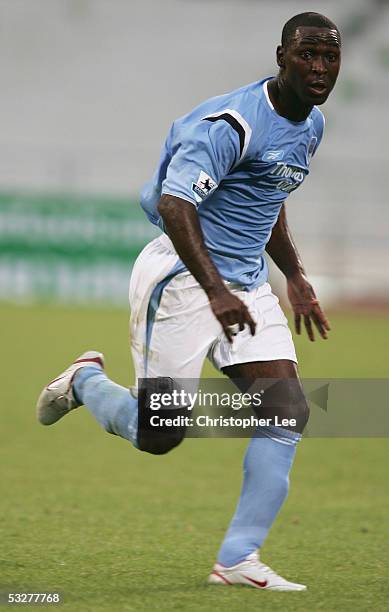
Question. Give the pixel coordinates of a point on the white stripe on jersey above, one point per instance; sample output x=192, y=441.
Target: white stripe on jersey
x=238, y=117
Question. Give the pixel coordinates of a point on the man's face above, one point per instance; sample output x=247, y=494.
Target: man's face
x=311, y=62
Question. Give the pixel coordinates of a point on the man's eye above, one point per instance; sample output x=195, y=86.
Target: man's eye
x=307, y=55
x=331, y=57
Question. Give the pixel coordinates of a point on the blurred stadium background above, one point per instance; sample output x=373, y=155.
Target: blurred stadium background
x=89, y=89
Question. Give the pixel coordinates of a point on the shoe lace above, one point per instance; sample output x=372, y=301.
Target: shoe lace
x=265, y=569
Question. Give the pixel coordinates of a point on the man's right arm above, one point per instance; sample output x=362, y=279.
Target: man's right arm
x=183, y=227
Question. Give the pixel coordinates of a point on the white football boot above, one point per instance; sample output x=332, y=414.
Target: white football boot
x=251, y=572
x=57, y=399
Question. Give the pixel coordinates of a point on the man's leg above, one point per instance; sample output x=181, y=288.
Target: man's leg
x=113, y=406
x=172, y=328
x=117, y=409
x=268, y=459
x=84, y=382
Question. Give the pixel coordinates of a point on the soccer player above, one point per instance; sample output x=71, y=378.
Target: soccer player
x=201, y=289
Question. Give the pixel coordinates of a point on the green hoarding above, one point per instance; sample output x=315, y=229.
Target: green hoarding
x=70, y=248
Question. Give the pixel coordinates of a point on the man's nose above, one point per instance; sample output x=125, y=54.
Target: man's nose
x=319, y=65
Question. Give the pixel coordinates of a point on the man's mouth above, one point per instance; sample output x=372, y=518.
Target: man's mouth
x=318, y=88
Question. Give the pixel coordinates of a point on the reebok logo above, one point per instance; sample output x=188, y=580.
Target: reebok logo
x=273, y=155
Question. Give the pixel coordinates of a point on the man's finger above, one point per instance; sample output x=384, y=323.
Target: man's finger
x=247, y=319
x=297, y=322
x=230, y=317
x=251, y=323
x=321, y=316
x=228, y=333
x=234, y=329
x=308, y=327
x=319, y=324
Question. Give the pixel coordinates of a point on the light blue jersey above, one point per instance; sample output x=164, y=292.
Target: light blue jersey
x=236, y=159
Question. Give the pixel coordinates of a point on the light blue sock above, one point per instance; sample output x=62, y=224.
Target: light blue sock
x=112, y=405
x=265, y=486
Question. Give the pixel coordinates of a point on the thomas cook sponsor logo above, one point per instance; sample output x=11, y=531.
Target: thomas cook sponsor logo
x=290, y=177
x=204, y=186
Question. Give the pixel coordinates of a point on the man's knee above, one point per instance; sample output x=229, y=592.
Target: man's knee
x=300, y=411
x=296, y=407
x=161, y=437
x=160, y=445
x=286, y=400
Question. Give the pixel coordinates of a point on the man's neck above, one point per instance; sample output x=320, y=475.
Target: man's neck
x=285, y=101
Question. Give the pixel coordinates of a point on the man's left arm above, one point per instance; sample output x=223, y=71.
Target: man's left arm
x=283, y=251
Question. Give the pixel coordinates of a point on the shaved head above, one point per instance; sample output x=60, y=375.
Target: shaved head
x=305, y=20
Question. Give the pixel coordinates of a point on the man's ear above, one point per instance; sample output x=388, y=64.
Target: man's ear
x=280, y=56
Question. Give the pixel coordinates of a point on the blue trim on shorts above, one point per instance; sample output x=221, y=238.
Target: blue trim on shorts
x=155, y=300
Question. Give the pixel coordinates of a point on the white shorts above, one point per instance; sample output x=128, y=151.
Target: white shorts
x=173, y=328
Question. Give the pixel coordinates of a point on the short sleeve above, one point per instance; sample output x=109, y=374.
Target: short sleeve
x=208, y=150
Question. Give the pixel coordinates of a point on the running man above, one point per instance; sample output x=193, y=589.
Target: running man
x=200, y=289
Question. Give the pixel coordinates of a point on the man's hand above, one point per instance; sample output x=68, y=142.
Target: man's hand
x=305, y=304
x=230, y=310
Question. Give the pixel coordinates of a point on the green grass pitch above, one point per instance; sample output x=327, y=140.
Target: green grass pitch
x=113, y=529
